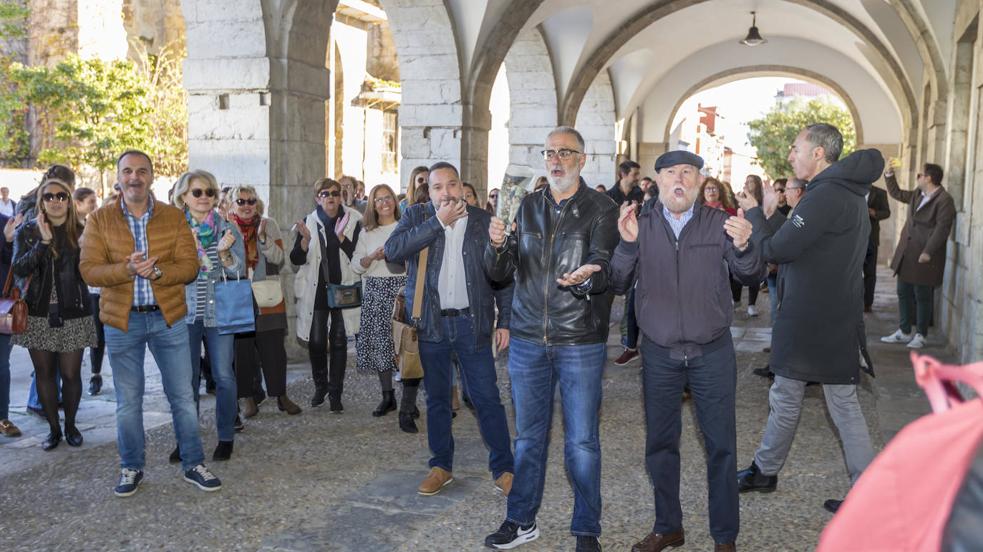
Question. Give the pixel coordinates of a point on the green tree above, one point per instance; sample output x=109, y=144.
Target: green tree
x=14, y=140
x=772, y=134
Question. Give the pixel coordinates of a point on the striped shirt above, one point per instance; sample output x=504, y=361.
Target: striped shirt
x=143, y=293
x=201, y=284
x=680, y=223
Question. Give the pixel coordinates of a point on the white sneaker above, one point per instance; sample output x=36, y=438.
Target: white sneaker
x=917, y=342
x=752, y=311
x=897, y=337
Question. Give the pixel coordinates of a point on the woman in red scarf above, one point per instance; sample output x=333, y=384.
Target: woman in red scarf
x=264, y=257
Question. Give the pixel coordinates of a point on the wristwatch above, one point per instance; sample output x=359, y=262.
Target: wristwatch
x=157, y=273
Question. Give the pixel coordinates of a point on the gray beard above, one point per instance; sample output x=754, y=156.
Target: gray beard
x=562, y=185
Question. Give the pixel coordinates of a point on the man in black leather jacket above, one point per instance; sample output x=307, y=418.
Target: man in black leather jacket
x=558, y=253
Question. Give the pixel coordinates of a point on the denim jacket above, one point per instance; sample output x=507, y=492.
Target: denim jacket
x=419, y=228
x=236, y=271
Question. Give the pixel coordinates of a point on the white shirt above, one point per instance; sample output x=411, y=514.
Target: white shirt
x=7, y=207
x=452, y=284
x=926, y=198
x=368, y=242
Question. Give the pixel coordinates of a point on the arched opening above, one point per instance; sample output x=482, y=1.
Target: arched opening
x=498, y=136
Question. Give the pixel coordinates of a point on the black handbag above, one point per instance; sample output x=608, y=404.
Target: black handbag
x=342, y=296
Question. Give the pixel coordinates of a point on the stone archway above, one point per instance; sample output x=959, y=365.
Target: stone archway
x=741, y=73
x=532, y=90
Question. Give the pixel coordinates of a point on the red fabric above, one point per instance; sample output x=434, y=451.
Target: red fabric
x=902, y=501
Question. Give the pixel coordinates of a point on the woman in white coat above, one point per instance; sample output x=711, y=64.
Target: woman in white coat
x=321, y=262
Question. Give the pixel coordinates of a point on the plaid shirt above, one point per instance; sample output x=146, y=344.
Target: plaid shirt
x=143, y=293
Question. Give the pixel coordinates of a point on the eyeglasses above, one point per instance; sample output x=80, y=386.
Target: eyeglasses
x=327, y=194
x=250, y=201
x=198, y=191
x=60, y=197
x=384, y=200
x=563, y=153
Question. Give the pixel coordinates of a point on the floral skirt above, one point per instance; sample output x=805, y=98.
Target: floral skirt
x=74, y=335
x=374, y=347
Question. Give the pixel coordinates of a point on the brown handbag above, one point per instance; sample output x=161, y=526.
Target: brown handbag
x=404, y=334
x=13, y=309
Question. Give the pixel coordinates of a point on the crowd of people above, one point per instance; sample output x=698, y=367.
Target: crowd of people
x=197, y=280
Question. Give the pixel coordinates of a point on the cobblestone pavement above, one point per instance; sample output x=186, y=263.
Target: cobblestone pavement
x=347, y=482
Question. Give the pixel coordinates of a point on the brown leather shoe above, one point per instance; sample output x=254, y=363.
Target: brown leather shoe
x=729, y=547
x=504, y=483
x=284, y=403
x=249, y=408
x=655, y=542
x=437, y=479
x=8, y=429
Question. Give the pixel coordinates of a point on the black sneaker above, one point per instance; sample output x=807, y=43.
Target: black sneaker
x=588, y=544
x=764, y=372
x=318, y=398
x=752, y=479
x=336, y=406
x=200, y=477
x=510, y=535
x=129, y=481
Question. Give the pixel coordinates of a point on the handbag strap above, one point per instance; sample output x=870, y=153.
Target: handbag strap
x=8, y=284
x=421, y=274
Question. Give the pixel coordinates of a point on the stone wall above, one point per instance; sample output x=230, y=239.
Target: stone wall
x=595, y=121
x=52, y=29
x=154, y=24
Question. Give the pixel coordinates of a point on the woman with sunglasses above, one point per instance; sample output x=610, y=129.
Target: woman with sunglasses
x=319, y=262
x=265, y=346
x=375, y=349
x=418, y=179
x=220, y=250
x=59, y=323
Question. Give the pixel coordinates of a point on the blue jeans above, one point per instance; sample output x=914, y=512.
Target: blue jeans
x=535, y=371
x=169, y=345
x=219, y=349
x=712, y=379
x=773, y=296
x=4, y=376
x=480, y=379
x=629, y=323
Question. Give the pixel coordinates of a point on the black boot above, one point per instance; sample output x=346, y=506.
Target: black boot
x=752, y=479
x=406, y=423
x=223, y=451
x=387, y=405
x=95, y=384
x=335, y=404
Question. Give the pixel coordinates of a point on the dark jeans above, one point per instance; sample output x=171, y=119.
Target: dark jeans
x=629, y=323
x=712, y=379
x=870, y=274
x=480, y=379
x=4, y=376
x=535, y=371
x=266, y=348
x=96, y=353
x=321, y=336
x=752, y=292
x=915, y=305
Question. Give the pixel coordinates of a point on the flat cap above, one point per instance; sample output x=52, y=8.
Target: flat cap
x=678, y=157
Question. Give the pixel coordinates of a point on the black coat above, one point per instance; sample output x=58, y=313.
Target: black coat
x=818, y=333
x=32, y=266
x=877, y=200
x=6, y=249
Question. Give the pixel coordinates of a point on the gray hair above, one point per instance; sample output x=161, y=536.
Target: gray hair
x=184, y=184
x=828, y=137
x=572, y=132
x=795, y=183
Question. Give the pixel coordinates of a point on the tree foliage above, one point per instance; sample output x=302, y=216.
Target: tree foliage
x=772, y=134
x=85, y=111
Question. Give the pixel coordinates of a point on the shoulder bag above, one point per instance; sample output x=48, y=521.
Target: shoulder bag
x=404, y=334
x=13, y=309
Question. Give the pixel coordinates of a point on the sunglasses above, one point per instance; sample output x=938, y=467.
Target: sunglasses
x=250, y=201
x=60, y=197
x=197, y=192
x=327, y=194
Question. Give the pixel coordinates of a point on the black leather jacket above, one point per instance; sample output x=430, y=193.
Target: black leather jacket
x=32, y=259
x=549, y=241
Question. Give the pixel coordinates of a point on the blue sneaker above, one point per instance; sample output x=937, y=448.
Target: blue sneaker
x=129, y=481
x=202, y=478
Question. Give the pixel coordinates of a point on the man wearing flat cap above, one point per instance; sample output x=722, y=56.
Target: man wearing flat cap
x=679, y=253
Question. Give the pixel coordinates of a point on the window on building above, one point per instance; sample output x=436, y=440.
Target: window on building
x=390, y=140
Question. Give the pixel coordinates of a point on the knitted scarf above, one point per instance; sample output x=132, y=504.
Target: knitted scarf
x=249, y=229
